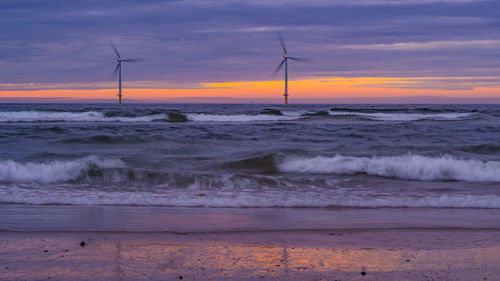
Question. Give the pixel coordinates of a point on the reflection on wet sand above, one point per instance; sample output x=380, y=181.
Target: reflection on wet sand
x=115, y=256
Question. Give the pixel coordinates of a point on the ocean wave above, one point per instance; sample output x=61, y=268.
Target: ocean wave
x=110, y=139
x=396, y=110
x=117, y=116
x=317, y=113
x=195, y=197
x=261, y=164
x=488, y=148
x=202, y=117
x=269, y=115
x=57, y=171
x=87, y=116
x=405, y=116
x=408, y=167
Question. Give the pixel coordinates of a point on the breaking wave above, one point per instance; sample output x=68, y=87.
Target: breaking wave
x=400, y=109
x=266, y=115
x=87, y=116
x=201, y=117
x=96, y=116
x=227, y=198
x=408, y=167
x=110, y=139
x=57, y=171
x=487, y=149
x=405, y=116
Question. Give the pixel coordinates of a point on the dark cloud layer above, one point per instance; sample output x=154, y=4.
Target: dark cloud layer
x=59, y=41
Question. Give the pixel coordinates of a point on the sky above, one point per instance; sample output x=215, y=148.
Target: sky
x=226, y=50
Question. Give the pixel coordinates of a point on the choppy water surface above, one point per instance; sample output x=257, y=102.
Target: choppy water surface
x=250, y=156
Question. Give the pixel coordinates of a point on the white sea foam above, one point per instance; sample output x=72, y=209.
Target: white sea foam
x=219, y=198
x=201, y=117
x=86, y=116
x=412, y=167
x=380, y=116
x=54, y=171
x=95, y=116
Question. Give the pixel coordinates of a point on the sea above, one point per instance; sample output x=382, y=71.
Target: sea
x=251, y=155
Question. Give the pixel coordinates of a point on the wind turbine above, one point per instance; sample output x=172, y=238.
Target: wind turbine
x=285, y=62
x=118, y=69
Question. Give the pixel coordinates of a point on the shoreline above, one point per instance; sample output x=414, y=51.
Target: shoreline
x=54, y=218
x=41, y=242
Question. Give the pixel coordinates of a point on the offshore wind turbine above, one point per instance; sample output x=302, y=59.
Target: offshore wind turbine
x=118, y=69
x=285, y=62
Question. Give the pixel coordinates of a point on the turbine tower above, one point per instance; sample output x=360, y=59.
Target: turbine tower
x=118, y=69
x=285, y=62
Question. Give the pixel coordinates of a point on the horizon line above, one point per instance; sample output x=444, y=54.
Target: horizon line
x=421, y=99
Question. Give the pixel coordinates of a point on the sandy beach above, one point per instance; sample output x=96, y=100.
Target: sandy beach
x=207, y=244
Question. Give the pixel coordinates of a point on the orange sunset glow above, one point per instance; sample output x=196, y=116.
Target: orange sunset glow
x=317, y=88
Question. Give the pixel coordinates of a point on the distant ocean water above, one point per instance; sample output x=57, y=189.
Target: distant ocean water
x=436, y=156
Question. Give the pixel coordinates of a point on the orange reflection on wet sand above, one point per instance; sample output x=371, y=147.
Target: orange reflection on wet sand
x=223, y=256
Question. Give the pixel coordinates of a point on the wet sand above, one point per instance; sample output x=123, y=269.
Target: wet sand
x=163, y=249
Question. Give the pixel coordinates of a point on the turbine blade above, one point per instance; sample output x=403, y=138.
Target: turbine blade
x=133, y=60
x=275, y=72
x=115, y=71
x=298, y=59
x=282, y=42
x=114, y=48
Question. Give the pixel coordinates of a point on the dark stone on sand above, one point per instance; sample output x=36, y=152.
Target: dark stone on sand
x=45, y=251
x=180, y=277
x=270, y=111
x=318, y=113
x=82, y=244
x=176, y=117
x=407, y=260
x=363, y=273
